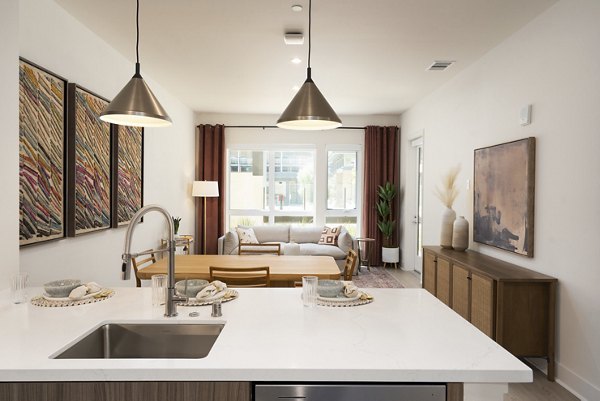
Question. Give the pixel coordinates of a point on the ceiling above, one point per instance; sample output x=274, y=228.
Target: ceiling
x=368, y=56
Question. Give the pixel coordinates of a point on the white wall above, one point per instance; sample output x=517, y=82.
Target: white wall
x=9, y=140
x=316, y=139
x=52, y=38
x=552, y=63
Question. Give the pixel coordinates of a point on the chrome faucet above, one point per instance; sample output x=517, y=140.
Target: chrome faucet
x=171, y=298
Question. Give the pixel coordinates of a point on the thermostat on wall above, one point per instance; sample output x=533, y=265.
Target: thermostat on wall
x=525, y=115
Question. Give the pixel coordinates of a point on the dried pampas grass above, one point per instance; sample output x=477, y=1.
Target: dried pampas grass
x=449, y=191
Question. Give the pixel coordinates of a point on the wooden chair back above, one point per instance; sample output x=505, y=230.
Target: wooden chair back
x=350, y=265
x=242, y=276
x=259, y=249
x=140, y=262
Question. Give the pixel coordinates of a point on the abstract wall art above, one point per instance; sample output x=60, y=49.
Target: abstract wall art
x=89, y=163
x=42, y=97
x=128, y=173
x=503, y=196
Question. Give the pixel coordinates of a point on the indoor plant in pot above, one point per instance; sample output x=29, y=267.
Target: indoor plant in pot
x=387, y=223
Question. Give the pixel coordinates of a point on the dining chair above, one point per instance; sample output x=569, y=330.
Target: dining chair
x=140, y=262
x=242, y=276
x=259, y=249
x=350, y=264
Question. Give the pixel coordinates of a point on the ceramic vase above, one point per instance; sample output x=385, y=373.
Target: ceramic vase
x=460, y=234
x=448, y=218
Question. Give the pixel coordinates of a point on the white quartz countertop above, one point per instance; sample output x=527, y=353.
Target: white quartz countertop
x=405, y=335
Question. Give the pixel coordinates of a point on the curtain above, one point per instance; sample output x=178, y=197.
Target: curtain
x=210, y=166
x=380, y=166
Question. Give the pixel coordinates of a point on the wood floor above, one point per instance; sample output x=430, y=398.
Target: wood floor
x=540, y=390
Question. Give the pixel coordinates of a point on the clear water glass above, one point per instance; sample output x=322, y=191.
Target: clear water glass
x=18, y=288
x=309, y=290
x=159, y=289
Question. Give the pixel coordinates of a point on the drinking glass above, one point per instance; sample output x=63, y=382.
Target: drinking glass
x=159, y=289
x=18, y=288
x=309, y=290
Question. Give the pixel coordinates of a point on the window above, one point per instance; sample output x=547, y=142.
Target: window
x=342, y=189
x=275, y=186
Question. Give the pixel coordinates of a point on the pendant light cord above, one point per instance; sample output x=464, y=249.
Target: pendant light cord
x=309, y=28
x=137, y=38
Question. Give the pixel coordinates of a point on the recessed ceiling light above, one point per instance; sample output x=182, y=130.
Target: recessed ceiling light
x=296, y=8
x=296, y=60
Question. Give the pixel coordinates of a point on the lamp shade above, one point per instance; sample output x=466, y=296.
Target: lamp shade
x=205, y=189
x=309, y=110
x=136, y=106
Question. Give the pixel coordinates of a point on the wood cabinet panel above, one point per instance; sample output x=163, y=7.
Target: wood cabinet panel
x=429, y=272
x=442, y=287
x=460, y=291
x=126, y=391
x=483, y=296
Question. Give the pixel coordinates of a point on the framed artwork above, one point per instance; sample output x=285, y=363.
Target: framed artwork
x=128, y=173
x=503, y=192
x=88, y=163
x=42, y=121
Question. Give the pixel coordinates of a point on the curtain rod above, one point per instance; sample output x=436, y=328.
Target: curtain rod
x=274, y=126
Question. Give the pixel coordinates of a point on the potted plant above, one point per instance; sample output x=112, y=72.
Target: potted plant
x=386, y=223
x=176, y=221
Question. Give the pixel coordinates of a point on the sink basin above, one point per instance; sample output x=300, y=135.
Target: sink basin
x=145, y=340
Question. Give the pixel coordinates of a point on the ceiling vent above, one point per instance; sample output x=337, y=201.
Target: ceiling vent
x=293, y=38
x=440, y=65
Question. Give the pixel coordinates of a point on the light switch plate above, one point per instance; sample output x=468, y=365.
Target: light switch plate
x=525, y=115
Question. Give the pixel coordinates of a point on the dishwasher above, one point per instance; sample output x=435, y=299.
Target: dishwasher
x=348, y=392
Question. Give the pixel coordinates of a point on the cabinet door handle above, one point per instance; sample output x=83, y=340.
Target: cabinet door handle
x=468, y=277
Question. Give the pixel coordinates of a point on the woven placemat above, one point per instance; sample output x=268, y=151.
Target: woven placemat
x=338, y=304
x=105, y=293
x=229, y=296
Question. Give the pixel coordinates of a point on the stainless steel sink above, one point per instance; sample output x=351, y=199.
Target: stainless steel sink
x=144, y=340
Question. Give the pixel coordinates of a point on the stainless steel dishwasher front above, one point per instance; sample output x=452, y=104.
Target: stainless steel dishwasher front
x=349, y=392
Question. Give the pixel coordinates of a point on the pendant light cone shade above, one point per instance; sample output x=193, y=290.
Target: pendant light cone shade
x=136, y=106
x=309, y=110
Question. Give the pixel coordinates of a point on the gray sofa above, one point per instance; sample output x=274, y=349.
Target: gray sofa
x=306, y=238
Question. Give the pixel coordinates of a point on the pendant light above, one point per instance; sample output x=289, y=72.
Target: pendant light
x=136, y=105
x=309, y=110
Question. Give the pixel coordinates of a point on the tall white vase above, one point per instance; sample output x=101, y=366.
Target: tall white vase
x=448, y=218
x=460, y=234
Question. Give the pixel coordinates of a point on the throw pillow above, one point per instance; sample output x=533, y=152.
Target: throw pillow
x=246, y=235
x=329, y=236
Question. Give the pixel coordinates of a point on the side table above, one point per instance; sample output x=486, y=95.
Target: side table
x=363, y=246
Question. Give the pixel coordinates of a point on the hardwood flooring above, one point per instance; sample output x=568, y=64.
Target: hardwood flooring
x=540, y=390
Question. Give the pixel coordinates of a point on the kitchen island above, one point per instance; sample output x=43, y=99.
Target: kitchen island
x=405, y=335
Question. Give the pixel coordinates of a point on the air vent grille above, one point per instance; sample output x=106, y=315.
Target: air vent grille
x=440, y=65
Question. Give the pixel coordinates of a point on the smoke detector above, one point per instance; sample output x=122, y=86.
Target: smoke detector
x=293, y=38
x=440, y=65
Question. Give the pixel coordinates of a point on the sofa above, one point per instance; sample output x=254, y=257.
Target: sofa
x=293, y=240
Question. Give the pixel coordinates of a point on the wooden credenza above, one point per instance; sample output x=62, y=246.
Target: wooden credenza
x=514, y=306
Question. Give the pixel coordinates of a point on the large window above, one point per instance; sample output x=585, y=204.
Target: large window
x=301, y=185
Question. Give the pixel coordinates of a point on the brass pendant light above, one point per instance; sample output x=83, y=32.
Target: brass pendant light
x=309, y=110
x=136, y=105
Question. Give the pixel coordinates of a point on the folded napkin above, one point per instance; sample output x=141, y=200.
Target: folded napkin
x=350, y=290
x=83, y=290
x=211, y=290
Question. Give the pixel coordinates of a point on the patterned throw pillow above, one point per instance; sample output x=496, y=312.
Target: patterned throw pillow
x=246, y=235
x=329, y=236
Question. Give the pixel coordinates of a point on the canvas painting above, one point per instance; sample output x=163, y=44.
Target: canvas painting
x=89, y=163
x=504, y=183
x=41, y=154
x=128, y=173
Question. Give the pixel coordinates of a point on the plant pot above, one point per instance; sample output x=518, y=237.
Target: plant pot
x=448, y=218
x=460, y=234
x=390, y=255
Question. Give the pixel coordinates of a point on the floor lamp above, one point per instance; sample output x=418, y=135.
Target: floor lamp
x=205, y=189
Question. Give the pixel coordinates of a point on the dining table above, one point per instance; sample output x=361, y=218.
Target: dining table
x=284, y=270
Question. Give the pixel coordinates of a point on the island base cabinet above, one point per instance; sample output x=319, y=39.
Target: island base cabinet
x=125, y=391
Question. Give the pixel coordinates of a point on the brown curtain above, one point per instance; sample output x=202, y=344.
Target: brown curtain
x=381, y=165
x=210, y=166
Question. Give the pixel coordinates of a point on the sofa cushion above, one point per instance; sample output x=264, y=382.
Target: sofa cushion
x=345, y=241
x=322, y=250
x=272, y=233
x=230, y=243
x=305, y=234
x=246, y=235
x=329, y=235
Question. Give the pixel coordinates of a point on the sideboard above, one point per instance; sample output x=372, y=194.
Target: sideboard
x=514, y=306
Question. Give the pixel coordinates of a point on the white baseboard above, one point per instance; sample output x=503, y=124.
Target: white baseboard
x=575, y=384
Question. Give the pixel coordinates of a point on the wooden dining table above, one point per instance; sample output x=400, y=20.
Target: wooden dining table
x=284, y=270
